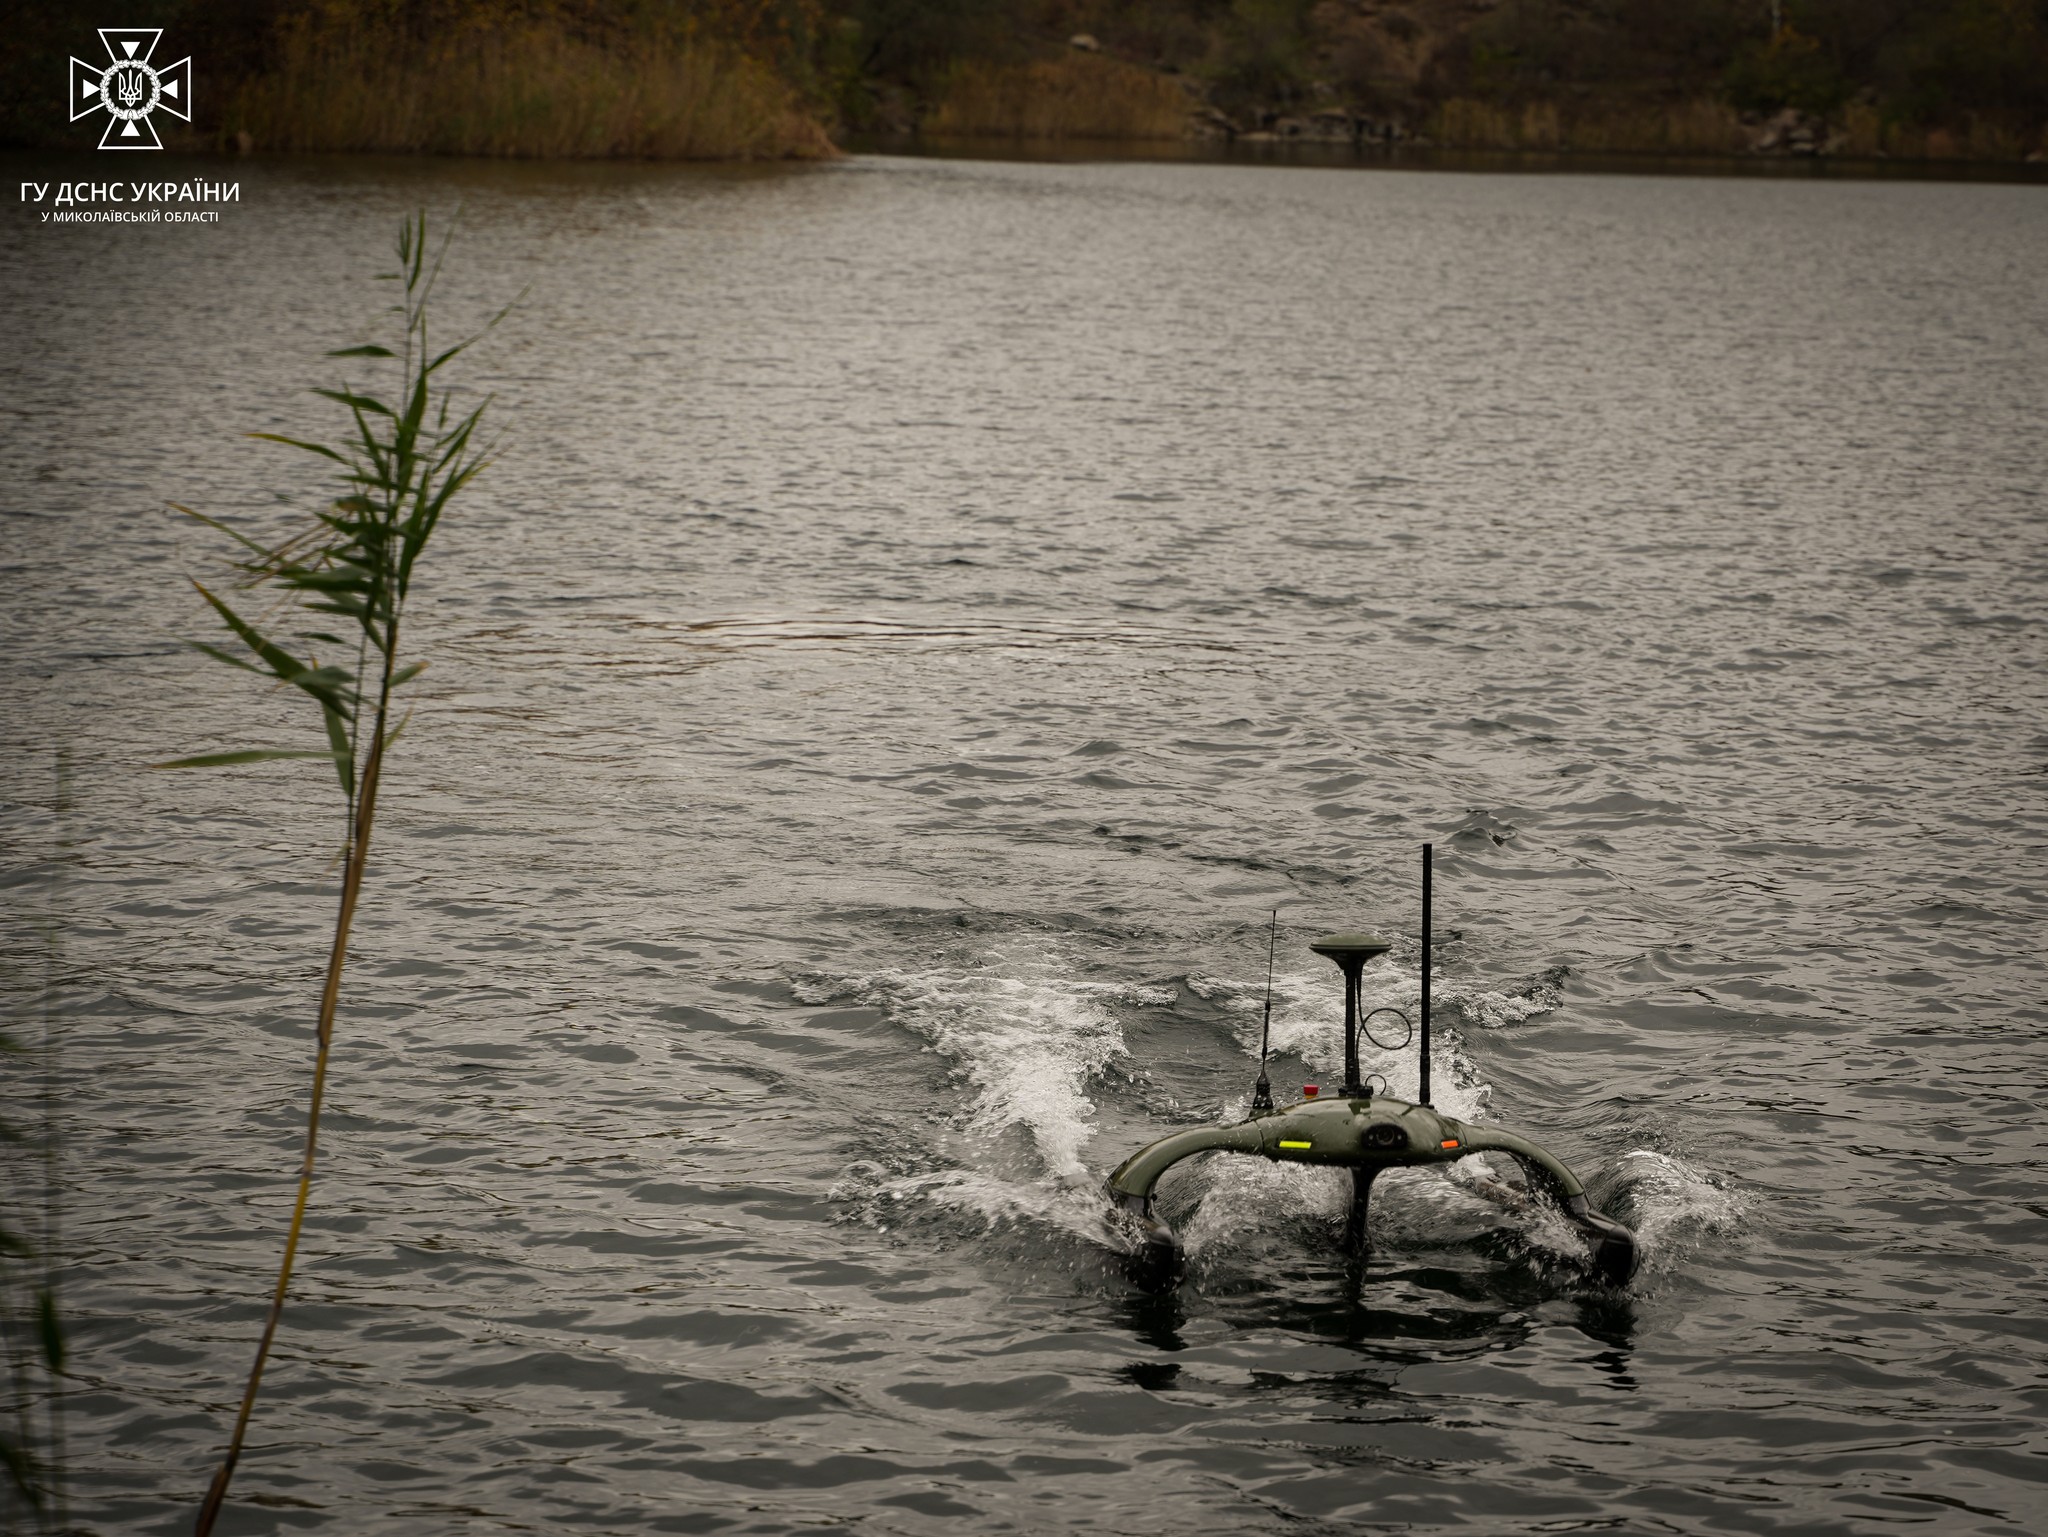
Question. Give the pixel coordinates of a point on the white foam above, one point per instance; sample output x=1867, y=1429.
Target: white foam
x=1668, y=1202
x=1242, y=1199
x=884, y=1201
x=1027, y=1035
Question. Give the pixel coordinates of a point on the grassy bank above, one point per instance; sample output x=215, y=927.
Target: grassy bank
x=528, y=91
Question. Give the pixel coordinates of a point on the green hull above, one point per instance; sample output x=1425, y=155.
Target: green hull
x=1365, y=1135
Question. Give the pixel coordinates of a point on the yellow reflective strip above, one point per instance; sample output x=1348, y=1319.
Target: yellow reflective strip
x=1297, y=1144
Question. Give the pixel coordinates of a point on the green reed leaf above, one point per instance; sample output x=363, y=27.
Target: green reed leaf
x=276, y=658
x=221, y=656
x=246, y=755
x=356, y=402
x=344, y=753
x=333, y=587
x=311, y=448
x=326, y=684
x=233, y=533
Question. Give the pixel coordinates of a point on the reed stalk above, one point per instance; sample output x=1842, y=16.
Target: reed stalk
x=362, y=815
x=400, y=463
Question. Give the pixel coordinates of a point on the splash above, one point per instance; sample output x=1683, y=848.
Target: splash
x=1235, y=1197
x=886, y=1202
x=1247, y=1199
x=1669, y=1202
x=1025, y=1034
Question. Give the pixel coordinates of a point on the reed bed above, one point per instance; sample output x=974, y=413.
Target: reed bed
x=1704, y=127
x=1694, y=127
x=1974, y=137
x=527, y=92
x=1081, y=96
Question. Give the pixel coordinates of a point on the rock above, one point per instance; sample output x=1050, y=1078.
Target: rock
x=1792, y=132
x=1770, y=134
x=1274, y=125
x=1333, y=126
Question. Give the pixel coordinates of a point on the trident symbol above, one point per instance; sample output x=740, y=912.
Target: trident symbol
x=129, y=88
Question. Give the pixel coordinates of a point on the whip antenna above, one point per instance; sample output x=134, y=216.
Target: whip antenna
x=1422, y=1076
x=1262, y=1091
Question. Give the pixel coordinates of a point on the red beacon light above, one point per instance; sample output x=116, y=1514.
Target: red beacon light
x=1308, y=1091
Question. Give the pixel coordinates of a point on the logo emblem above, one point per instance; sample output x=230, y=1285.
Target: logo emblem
x=128, y=88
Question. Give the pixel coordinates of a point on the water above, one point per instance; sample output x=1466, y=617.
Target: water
x=926, y=616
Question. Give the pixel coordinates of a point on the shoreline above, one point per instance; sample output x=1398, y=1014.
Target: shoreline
x=1080, y=151
x=1441, y=157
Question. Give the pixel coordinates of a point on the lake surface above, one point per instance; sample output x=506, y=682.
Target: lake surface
x=925, y=617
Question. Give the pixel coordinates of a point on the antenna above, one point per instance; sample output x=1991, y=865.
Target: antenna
x=1262, y=1091
x=1351, y=952
x=1422, y=1077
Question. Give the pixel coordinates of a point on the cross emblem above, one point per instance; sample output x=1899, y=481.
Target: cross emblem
x=128, y=88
